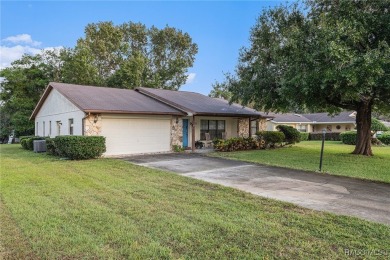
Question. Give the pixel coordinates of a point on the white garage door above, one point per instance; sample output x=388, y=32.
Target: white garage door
x=136, y=135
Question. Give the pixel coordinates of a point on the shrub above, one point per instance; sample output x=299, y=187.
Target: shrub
x=292, y=135
x=80, y=147
x=25, y=137
x=328, y=136
x=24, y=143
x=304, y=136
x=377, y=125
x=177, y=148
x=51, y=147
x=236, y=144
x=385, y=138
x=349, y=137
x=28, y=143
x=271, y=138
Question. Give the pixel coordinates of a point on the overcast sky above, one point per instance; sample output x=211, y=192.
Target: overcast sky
x=219, y=28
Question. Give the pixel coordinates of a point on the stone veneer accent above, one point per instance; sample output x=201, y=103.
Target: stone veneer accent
x=243, y=127
x=91, y=127
x=176, y=131
x=262, y=125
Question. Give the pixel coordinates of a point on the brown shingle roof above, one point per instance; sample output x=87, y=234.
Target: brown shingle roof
x=199, y=104
x=344, y=117
x=108, y=100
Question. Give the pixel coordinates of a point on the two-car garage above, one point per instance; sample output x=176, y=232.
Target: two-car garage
x=132, y=135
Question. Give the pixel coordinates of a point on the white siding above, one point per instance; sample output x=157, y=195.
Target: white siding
x=136, y=134
x=58, y=108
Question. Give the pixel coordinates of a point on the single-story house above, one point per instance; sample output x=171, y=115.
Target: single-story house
x=315, y=122
x=143, y=120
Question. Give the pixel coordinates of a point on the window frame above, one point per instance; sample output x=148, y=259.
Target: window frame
x=255, y=128
x=70, y=126
x=58, y=127
x=214, y=133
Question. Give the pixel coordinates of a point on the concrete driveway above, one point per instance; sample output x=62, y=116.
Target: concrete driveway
x=340, y=195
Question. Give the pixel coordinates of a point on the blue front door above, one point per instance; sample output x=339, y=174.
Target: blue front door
x=185, y=132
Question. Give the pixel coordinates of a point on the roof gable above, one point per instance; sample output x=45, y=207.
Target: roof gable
x=107, y=100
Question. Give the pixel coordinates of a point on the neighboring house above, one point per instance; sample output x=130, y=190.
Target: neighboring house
x=344, y=121
x=143, y=120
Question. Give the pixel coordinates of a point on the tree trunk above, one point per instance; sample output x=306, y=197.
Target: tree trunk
x=363, y=125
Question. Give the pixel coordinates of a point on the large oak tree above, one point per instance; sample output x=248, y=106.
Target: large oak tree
x=323, y=54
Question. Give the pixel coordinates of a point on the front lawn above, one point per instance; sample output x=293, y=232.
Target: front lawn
x=111, y=209
x=337, y=159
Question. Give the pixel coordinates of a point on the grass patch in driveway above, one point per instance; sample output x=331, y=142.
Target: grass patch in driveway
x=337, y=159
x=108, y=208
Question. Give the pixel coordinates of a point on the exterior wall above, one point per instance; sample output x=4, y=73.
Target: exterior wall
x=93, y=125
x=243, y=127
x=343, y=127
x=57, y=108
x=177, y=131
x=262, y=125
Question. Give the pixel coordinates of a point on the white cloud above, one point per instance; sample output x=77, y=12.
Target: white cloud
x=22, y=38
x=19, y=45
x=190, y=78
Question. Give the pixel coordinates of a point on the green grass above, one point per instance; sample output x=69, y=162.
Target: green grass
x=337, y=159
x=111, y=209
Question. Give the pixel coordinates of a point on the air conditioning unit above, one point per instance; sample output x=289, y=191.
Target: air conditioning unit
x=39, y=146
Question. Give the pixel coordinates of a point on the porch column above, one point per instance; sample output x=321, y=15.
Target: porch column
x=193, y=134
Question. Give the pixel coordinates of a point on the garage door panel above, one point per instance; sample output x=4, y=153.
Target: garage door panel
x=131, y=136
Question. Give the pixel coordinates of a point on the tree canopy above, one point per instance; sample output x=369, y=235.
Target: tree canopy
x=131, y=55
x=23, y=84
x=321, y=55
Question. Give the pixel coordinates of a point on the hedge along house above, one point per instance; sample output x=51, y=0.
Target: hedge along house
x=142, y=120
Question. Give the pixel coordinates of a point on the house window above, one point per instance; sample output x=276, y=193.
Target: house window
x=43, y=128
x=329, y=128
x=338, y=127
x=36, y=129
x=59, y=127
x=348, y=128
x=254, y=127
x=215, y=128
x=71, y=126
x=49, y=128
x=302, y=128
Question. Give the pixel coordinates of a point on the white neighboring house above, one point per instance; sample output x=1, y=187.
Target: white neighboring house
x=142, y=120
x=315, y=122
